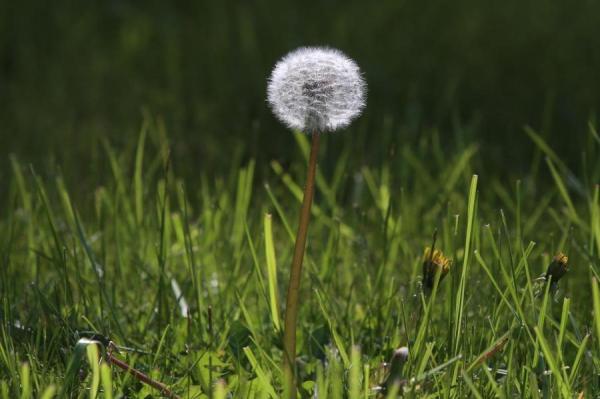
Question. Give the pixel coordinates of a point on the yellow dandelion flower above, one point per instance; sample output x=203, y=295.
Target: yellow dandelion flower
x=557, y=268
x=432, y=263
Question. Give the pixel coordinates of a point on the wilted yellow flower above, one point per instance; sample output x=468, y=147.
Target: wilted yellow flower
x=432, y=262
x=557, y=268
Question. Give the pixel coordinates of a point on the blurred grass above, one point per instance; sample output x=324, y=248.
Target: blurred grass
x=73, y=74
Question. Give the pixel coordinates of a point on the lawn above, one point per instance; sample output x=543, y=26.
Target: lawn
x=186, y=281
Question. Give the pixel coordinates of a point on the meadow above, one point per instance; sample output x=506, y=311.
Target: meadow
x=184, y=279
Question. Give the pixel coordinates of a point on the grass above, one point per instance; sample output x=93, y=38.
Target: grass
x=187, y=279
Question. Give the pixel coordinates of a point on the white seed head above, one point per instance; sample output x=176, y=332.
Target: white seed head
x=316, y=89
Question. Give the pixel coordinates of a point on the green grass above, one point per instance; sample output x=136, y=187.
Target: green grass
x=190, y=276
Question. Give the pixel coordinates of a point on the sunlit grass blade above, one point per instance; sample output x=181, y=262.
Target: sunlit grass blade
x=272, y=272
x=596, y=300
x=577, y=363
x=557, y=372
x=220, y=390
x=72, y=376
x=280, y=213
x=462, y=286
x=119, y=179
x=472, y=387
x=355, y=377
x=595, y=219
x=263, y=378
x=495, y=385
x=543, y=146
x=242, y=202
x=494, y=282
x=107, y=381
x=255, y=262
x=26, y=388
x=489, y=352
x=93, y=359
x=562, y=189
x=50, y=392
x=336, y=338
x=564, y=318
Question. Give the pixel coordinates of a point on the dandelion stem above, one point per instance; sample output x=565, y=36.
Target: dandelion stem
x=291, y=310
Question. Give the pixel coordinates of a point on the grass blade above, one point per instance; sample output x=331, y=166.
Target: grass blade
x=460, y=295
x=272, y=272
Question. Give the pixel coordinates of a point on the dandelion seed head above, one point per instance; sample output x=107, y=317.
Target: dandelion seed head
x=316, y=89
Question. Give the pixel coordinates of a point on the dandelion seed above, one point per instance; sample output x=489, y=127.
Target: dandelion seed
x=316, y=89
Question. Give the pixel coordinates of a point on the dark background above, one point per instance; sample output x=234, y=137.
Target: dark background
x=72, y=73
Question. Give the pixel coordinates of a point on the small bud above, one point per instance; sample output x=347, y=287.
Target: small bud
x=432, y=262
x=399, y=358
x=557, y=268
x=401, y=354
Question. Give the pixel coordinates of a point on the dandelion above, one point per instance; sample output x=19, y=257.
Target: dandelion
x=557, y=268
x=313, y=90
x=433, y=263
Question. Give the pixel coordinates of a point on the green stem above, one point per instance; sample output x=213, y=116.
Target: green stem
x=291, y=309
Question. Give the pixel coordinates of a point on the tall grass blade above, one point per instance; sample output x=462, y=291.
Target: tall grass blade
x=264, y=379
x=138, y=184
x=596, y=300
x=462, y=286
x=272, y=272
x=555, y=368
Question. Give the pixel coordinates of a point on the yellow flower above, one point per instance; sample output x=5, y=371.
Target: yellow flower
x=557, y=268
x=432, y=262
